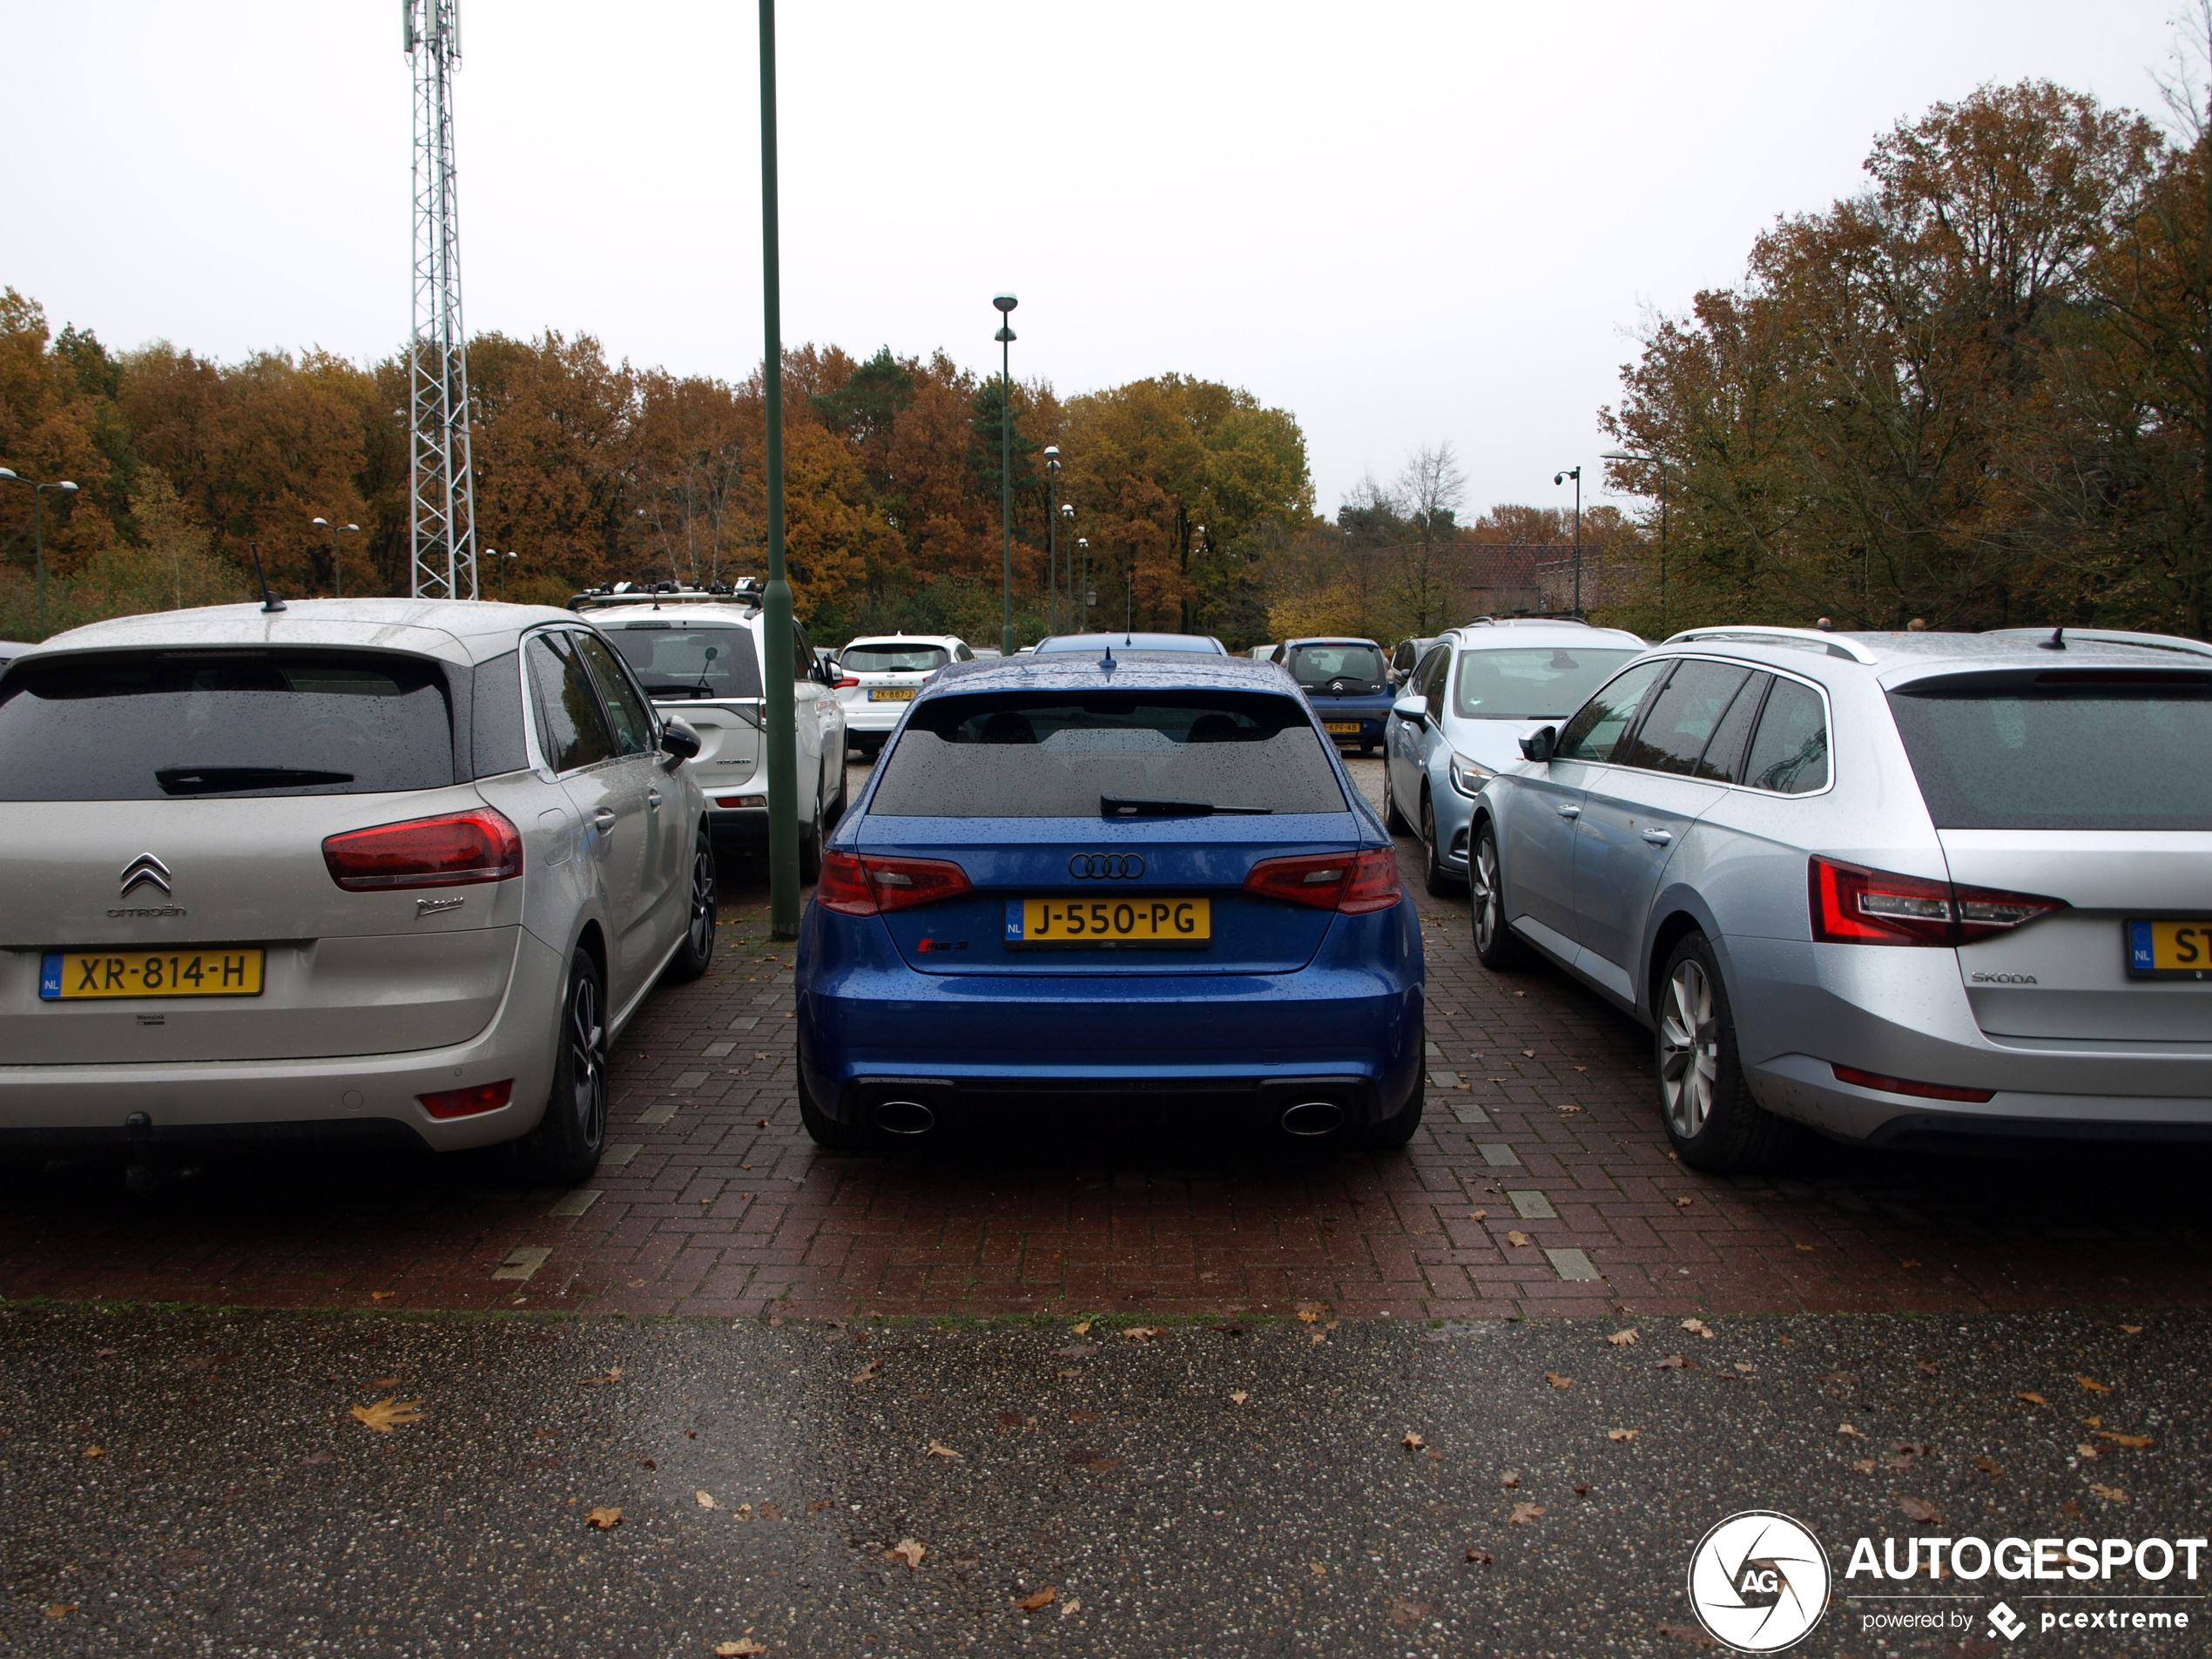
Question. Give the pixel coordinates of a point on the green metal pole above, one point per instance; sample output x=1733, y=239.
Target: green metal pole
x=1006, y=479
x=39, y=547
x=777, y=635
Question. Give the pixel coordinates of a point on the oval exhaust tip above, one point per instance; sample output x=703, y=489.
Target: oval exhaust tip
x=904, y=1117
x=1313, y=1117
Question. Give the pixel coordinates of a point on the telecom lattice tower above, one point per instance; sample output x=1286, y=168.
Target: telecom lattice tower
x=443, y=537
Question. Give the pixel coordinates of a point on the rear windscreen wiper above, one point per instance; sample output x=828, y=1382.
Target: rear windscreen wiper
x=1116, y=807
x=216, y=780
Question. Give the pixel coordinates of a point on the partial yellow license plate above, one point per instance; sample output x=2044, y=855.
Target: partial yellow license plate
x=1349, y=727
x=1122, y=921
x=892, y=694
x=66, y=974
x=2169, y=949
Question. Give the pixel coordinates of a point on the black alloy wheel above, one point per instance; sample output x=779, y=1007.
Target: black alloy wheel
x=564, y=1148
x=697, y=951
x=1495, y=944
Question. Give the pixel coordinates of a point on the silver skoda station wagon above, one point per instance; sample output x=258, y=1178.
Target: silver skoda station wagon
x=348, y=868
x=1903, y=888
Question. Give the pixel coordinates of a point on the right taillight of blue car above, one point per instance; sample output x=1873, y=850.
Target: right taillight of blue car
x=1855, y=905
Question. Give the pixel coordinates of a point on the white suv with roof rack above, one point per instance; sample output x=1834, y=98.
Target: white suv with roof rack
x=698, y=653
x=879, y=674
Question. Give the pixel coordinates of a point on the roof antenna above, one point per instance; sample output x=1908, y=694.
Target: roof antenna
x=2057, y=641
x=1107, y=662
x=269, y=601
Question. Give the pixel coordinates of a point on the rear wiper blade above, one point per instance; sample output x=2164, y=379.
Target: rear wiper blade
x=216, y=780
x=1116, y=806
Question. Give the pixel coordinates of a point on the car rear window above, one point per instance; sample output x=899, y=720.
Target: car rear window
x=892, y=657
x=672, y=661
x=1119, y=754
x=1317, y=666
x=2042, y=750
x=223, y=725
x=1530, y=685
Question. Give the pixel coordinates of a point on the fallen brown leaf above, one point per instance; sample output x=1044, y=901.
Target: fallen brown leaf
x=1925, y=1366
x=2110, y=1495
x=1310, y=1312
x=742, y=1648
x=1478, y=1215
x=1320, y=1337
x=1237, y=1396
x=1523, y=1514
x=2033, y=1398
x=869, y=1373
x=1676, y=1362
x=95, y=1451
x=1918, y=1509
x=2087, y=1452
x=1510, y=1478
x=1413, y=1442
x=937, y=1448
x=2133, y=1442
x=1862, y=1465
x=1684, y=1203
x=605, y=1518
x=1622, y=1434
x=1483, y=1557
x=60, y=1609
x=1624, y=1339
x=2131, y=1330
x=1850, y=1429
x=1403, y=1611
x=704, y=1499
x=382, y=1296
x=1558, y=1381
x=1514, y=1235
x=1043, y=1598
x=909, y=1550
x=1083, y=1417
x=1699, y=1327
x=1908, y=1262
x=2094, y=1386
x=1142, y=1332
x=385, y=1382
x=1096, y=1462
x=769, y=1512
x=1989, y=1465
x=384, y=1413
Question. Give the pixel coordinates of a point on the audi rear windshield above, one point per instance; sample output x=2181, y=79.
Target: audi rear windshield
x=1111, y=754
x=224, y=725
x=2086, y=749
x=675, y=662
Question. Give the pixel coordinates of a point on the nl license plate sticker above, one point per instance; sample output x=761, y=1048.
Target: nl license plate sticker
x=1149, y=923
x=67, y=975
x=2169, y=949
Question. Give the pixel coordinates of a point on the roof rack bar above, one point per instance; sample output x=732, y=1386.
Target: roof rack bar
x=1802, y=638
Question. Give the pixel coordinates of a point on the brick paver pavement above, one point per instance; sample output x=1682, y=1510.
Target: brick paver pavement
x=1542, y=1185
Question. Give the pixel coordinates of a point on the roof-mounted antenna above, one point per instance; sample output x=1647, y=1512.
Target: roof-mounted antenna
x=2057, y=641
x=269, y=601
x=1107, y=662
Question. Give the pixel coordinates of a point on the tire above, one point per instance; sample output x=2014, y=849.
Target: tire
x=1437, y=876
x=1393, y=1133
x=564, y=1148
x=810, y=847
x=1394, y=820
x=1496, y=946
x=1712, y=1119
x=823, y=1129
x=692, y=957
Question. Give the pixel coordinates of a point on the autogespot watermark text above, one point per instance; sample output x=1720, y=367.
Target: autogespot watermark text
x=2027, y=1561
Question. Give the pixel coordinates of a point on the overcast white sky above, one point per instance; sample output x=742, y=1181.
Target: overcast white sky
x=1403, y=220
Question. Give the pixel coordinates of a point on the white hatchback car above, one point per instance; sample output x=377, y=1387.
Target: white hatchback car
x=698, y=653
x=349, y=869
x=880, y=674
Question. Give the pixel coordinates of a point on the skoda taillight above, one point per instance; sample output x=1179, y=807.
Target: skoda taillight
x=453, y=850
x=1854, y=905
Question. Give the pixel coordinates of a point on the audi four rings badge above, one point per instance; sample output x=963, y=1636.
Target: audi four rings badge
x=1106, y=866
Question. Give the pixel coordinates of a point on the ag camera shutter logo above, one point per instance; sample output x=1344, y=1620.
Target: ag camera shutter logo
x=1759, y=1582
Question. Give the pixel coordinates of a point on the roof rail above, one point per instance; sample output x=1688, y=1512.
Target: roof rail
x=1795, y=639
x=745, y=590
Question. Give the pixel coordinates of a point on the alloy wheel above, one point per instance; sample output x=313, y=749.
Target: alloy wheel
x=1489, y=909
x=1688, y=1049
x=587, y=1038
x=703, y=894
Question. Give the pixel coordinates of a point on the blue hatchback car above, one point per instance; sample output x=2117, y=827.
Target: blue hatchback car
x=1135, y=890
x=1348, y=683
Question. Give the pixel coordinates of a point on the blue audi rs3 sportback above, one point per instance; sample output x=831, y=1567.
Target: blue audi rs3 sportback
x=1131, y=891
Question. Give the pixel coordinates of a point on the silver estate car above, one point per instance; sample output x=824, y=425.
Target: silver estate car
x=359, y=868
x=1460, y=716
x=1903, y=888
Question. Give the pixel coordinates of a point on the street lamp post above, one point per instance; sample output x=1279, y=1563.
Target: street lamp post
x=337, y=579
x=777, y=628
x=502, y=560
x=1067, y=512
x=38, y=530
x=1052, y=528
x=1080, y=597
x=1625, y=455
x=1006, y=302
x=1576, y=472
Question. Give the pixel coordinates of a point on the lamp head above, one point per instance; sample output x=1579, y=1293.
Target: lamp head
x=65, y=486
x=7, y=472
x=1621, y=455
x=1005, y=301
x=1005, y=335
x=349, y=527
x=1067, y=510
x=323, y=521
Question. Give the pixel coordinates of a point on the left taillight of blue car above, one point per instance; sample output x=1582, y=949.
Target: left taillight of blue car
x=853, y=885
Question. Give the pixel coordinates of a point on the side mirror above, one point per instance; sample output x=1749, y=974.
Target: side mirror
x=1414, y=708
x=679, y=739
x=1539, y=744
